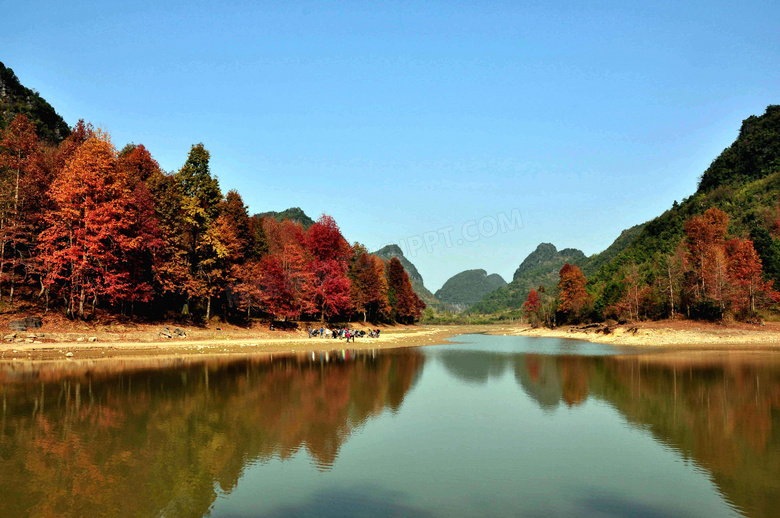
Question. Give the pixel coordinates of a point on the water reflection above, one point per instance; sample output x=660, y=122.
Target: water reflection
x=171, y=436
x=164, y=436
x=719, y=409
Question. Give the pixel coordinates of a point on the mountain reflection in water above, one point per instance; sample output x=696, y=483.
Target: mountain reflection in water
x=155, y=437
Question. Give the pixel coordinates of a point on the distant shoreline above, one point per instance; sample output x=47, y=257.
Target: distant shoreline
x=666, y=333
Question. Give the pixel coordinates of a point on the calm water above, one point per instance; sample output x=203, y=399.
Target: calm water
x=488, y=426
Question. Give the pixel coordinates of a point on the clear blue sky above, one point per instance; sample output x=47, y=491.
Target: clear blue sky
x=400, y=119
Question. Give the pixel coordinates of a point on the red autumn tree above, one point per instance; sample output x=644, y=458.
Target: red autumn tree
x=331, y=288
x=324, y=240
x=572, y=298
x=369, y=287
x=406, y=304
x=285, y=283
x=531, y=307
x=330, y=254
x=137, y=164
x=139, y=169
x=84, y=249
x=748, y=287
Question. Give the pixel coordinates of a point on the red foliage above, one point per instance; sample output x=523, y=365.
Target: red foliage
x=137, y=165
x=325, y=242
x=408, y=306
x=92, y=230
x=706, y=235
x=532, y=304
x=369, y=287
x=745, y=273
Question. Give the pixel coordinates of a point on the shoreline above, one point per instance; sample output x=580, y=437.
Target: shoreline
x=144, y=342
x=209, y=342
x=666, y=333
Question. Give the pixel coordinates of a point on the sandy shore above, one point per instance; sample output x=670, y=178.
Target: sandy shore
x=666, y=333
x=36, y=346
x=140, y=341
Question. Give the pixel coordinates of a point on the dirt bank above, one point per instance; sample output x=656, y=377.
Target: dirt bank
x=50, y=343
x=666, y=333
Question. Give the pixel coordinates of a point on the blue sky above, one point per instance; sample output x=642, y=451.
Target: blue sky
x=404, y=120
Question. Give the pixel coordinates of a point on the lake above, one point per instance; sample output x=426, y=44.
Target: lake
x=485, y=426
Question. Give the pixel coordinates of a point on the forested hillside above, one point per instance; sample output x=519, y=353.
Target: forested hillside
x=16, y=99
x=294, y=214
x=466, y=288
x=744, y=183
x=708, y=256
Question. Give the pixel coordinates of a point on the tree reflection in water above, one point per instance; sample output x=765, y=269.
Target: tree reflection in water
x=720, y=409
x=164, y=436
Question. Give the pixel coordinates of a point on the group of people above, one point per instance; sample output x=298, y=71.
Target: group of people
x=343, y=333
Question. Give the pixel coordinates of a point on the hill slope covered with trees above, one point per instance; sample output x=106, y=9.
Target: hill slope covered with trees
x=16, y=99
x=665, y=267
x=464, y=289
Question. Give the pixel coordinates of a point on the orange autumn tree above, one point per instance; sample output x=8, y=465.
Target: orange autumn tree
x=284, y=281
x=85, y=247
x=748, y=289
x=369, y=286
x=573, y=299
x=705, y=239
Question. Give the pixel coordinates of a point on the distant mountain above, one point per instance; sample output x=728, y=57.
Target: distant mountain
x=388, y=252
x=467, y=288
x=540, y=268
x=16, y=98
x=295, y=214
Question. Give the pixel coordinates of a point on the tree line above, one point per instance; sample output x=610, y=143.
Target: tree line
x=710, y=275
x=85, y=229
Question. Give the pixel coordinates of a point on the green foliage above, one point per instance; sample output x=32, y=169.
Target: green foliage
x=198, y=185
x=466, y=288
x=540, y=268
x=294, y=214
x=16, y=99
x=754, y=155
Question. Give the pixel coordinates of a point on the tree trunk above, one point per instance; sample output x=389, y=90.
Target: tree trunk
x=671, y=288
x=208, y=308
x=81, y=302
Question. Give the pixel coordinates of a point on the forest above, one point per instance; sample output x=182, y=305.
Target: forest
x=91, y=231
